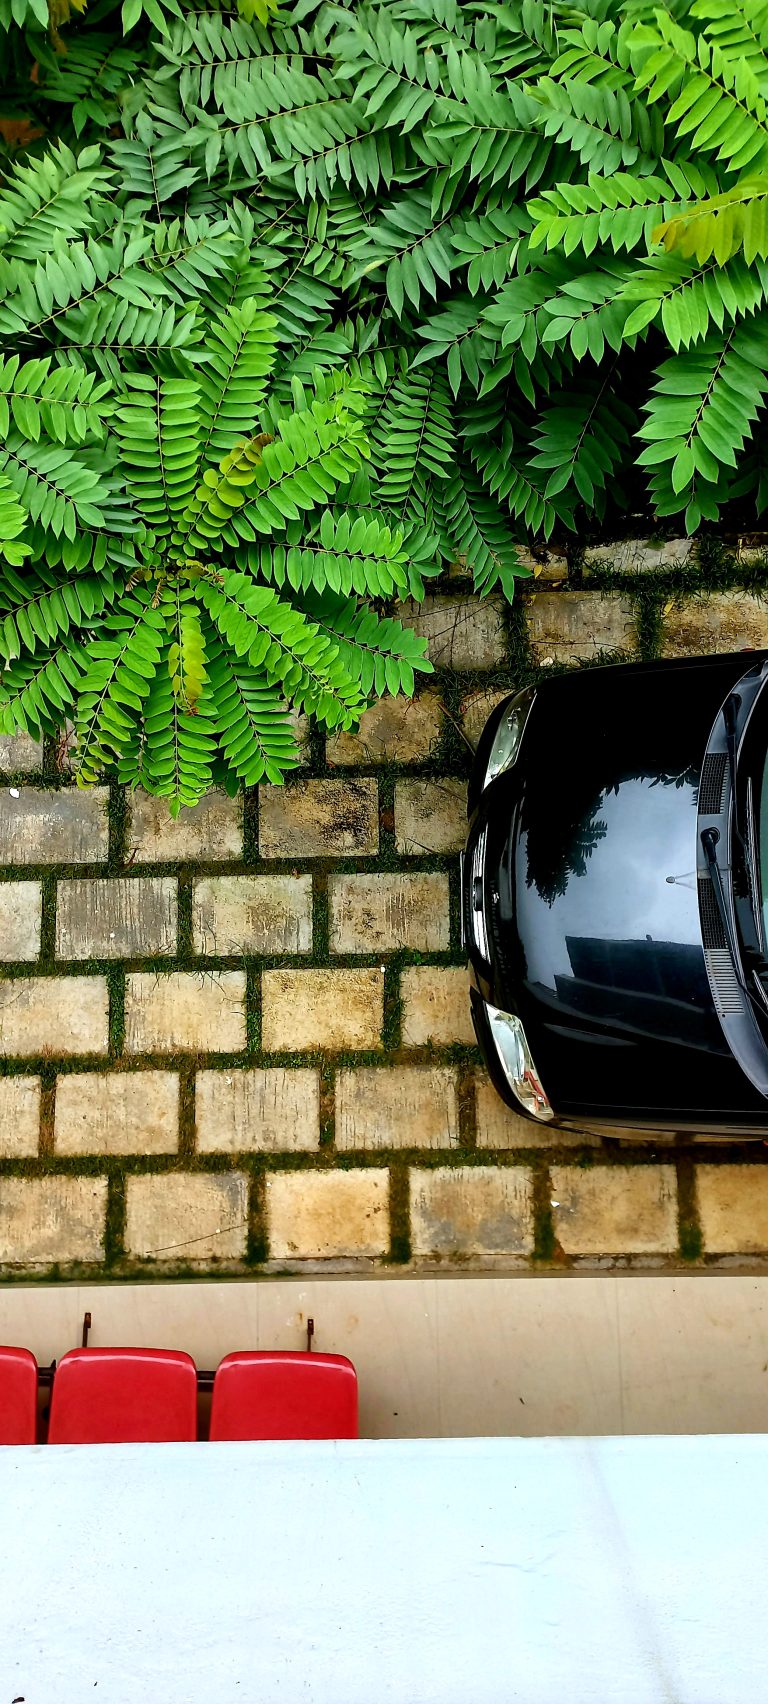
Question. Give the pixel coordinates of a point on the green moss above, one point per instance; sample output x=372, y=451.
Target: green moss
x=649, y=614
x=327, y=1106
x=320, y=924
x=119, y=816
x=258, y=1247
x=465, y=1108
x=48, y=920
x=115, y=978
x=186, y=946
x=544, y=1243
x=387, y=775
x=252, y=1010
x=47, y=1110
x=399, y=1216
x=691, y=1240
x=315, y=758
x=519, y=659
x=689, y=1228
x=250, y=826
x=391, y=1029
x=114, y=1235
x=51, y=772
x=187, y=1135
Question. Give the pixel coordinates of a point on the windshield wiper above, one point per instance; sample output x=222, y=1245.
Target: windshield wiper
x=731, y=710
x=709, y=838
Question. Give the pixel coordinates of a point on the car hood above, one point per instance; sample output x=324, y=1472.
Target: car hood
x=591, y=893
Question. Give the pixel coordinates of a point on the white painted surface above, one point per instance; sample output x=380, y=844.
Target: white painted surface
x=507, y=1571
x=538, y=1356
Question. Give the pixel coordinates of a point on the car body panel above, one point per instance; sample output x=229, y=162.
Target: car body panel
x=590, y=899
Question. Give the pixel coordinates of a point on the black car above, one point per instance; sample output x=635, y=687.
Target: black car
x=615, y=897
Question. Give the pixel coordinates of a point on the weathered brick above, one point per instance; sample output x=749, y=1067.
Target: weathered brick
x=261, y=1112
x=117, y=1112
x=461, y=1211
x=381, y=913
x=319, y=819
x=477, y=707
x=394, y=730
x=119, y=917
x=201, y=1011
x=733, y=1208
x=47, y=1219
x=548, y=566
x=500, y=1128
x=20, y=755
x=318, y=1215
x=461, y=632
x=571, y=627
x=334, y=1009
x=401, y=1106
x=725, y=621
x=20, y=914
x=212, y=830
x=430, y=816
x=436, y=1005
x=46, y=826
x=19, y=1117
x=187, y=1217
x=54, y=1015
x=615, y=1209
x=252, y=914
x=639, y=556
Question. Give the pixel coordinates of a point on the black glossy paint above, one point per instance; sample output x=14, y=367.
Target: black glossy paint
x=591, y=901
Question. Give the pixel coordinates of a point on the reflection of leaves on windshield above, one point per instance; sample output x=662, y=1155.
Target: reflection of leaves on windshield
x=560, y=849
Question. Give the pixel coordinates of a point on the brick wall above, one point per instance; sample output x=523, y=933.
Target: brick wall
x=241, y=1041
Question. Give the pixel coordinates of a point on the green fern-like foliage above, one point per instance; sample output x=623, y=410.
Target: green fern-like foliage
x=240, y=599
x=298, y=304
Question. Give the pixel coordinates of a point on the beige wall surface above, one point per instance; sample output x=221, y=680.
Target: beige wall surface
x=469, y=1356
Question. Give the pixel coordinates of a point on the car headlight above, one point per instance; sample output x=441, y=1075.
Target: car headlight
x=509, y=733
x=516, y=1062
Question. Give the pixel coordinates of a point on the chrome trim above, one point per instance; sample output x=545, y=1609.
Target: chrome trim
x=476, y=914
x=514, y=1055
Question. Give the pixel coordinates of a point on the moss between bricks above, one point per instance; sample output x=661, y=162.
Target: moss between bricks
x=717, y=568
x=689, y=1228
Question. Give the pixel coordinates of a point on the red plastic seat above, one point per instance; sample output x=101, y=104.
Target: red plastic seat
x=18, y=1397
x=124, y=1396
x=284, y=1394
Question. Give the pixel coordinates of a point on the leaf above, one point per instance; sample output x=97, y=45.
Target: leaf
x=702, y=407
x=232, y=375
x=474, y=530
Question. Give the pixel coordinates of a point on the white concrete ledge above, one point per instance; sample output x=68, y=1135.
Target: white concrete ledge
x=517, y=1571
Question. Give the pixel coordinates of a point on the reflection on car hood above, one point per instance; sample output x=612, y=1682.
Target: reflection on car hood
x=620, y=912
x=594, y=888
